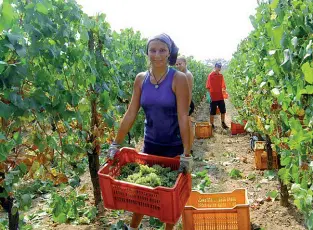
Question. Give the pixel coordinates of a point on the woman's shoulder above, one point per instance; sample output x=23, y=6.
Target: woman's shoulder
x=141, y=76
x=179, y=75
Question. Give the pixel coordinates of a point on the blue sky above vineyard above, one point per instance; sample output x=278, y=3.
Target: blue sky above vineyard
x=202, y=28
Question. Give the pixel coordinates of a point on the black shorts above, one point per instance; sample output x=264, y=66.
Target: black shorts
x=220, y=104
x=191, y=108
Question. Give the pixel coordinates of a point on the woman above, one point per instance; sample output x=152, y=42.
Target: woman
x=163, y=94
x=181, y=65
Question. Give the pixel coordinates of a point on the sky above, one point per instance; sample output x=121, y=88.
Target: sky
x=206, y=29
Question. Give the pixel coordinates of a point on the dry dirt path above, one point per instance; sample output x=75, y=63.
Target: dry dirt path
x=224, y=152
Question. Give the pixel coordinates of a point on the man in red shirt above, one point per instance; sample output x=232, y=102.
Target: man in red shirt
x=216, y=86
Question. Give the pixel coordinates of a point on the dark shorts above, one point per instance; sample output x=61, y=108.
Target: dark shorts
x=219, y=104
x=163, y=151
x=191, y=108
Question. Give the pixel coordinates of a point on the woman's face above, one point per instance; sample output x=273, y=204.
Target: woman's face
x=181, y=65
x=158, y=53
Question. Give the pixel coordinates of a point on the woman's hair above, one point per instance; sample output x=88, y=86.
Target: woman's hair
x=170, y=44
x=182, y=58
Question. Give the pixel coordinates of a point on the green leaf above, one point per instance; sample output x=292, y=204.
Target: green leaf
x=5, y=111
x=309, y=221
x=120, y=224
x=309, y=48
x=202, y=174
x=235, y=173
x=308, y=72
x=84, y=105
x=30, y=6
x=295, y=188
x=272, y=194
x=41, y=8
x=18, y=138
x=91, y=79
x=278, y=32
x=84, y=35
x=286, y=161
x=270, y=174
x=14, y=210
x=274, y=4
x=295, y=173
x=61, y=218
x=74, y=182
x=2, y=136
x=105, y=100
x=251, y=176
x=3, y=155
x=286, y=65
x=304, y=182
x=23, y=168
x=74, y=99
x=294, y=41
x=52, y=142
x=20, y=50
x=91, y=213
x=26, y=201
x=309, y=89
x=7, y=16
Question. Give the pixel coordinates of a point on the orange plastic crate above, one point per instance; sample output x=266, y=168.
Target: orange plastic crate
x=164, y=203
x=237, y=128
x=216, y=211
x=203, y=130
x=260, y=156
x=225, y=95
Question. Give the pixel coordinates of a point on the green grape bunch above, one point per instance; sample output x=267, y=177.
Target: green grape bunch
x=149, y=176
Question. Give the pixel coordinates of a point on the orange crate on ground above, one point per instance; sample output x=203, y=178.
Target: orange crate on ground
x=260, y=156
x=237, y=128
x=215, y=211
x=203, y=130
x=163, y=203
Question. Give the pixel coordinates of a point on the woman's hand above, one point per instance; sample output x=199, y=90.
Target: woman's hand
x=186, y=163
x=113, y=149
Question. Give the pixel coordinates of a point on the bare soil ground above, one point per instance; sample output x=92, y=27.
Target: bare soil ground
x=225, y=152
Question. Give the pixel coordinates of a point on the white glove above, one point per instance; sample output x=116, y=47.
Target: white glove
x=186, y=164
x=114, y=148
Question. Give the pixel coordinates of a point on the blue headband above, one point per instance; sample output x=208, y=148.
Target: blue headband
x=170, y=44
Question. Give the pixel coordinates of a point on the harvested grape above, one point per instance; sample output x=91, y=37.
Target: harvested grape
x=149, y=176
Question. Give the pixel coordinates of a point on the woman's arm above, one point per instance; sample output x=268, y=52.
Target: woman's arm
x=190, y=83
x=132, y=111
x=181, y=90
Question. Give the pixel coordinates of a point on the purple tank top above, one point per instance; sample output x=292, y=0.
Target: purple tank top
x=159, y=105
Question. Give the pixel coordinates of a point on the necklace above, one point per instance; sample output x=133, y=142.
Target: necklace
x=157, y=82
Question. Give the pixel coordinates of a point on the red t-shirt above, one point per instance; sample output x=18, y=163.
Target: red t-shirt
x=216, y=85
